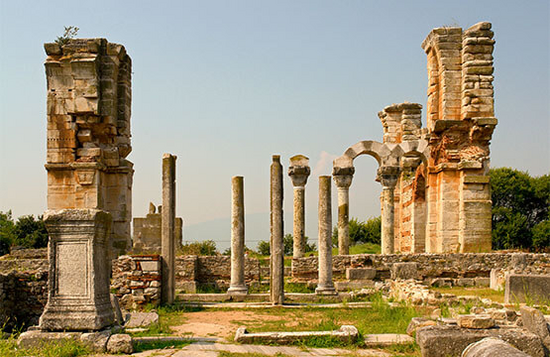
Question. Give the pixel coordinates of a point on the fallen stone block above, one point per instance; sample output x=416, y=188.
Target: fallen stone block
x=491, y=346
x=525, y=288
x=418, y=322
x=405, y=271
x=450, y=341
x=142, y=319
x=387, y=339
x=353, y=285
x=360, y=273
x=120, y=343
x=346, y=334
x=534, y=321
x=475, y=321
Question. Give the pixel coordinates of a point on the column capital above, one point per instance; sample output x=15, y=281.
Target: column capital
x=343, y=176
x=388, y=176
x=299, y=170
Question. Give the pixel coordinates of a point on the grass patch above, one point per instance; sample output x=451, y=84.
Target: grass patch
x=208, y=289
x=484, y=293
x=153, y=345
x=230, y=354
x=65, y=348
x=298, y=288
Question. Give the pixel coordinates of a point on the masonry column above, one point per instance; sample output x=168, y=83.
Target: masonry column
x=342, y=178
x=237, y=285
x=168, y=213
x=388, y=176
x=299, y=172
x=277, y=229
x=325, y=285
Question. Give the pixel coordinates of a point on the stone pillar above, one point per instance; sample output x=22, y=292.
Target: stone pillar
x=325, y=285
x=299, y=172
x=78, y=281
x=342, y=178
x=277, y=231
x=168, y=213
x=238, y=285
x=388, y=176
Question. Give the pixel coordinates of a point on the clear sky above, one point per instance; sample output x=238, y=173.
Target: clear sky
x=225, y=84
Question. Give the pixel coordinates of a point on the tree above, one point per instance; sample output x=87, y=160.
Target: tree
x=6, y=232
x=207, y=247
x=70, y=32
x=30, y=232
x=520, y=208
x=288, y=244
x=361, y=232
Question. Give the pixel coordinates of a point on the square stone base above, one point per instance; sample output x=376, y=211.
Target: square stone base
x=60, y=317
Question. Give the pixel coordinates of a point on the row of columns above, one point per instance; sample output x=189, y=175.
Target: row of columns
x=298, y=172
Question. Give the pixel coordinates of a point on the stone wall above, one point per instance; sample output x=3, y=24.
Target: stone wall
x=450, y=268
x=147, y=231
x=136, y=280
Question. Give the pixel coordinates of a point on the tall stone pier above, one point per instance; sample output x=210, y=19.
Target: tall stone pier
x=343, y=178
x=388, y=176
x=325, y=285
x=88, y=110
x=299, y=172
x=237, y=285
x=78, y=281
x=277, y=231
x=168, y=214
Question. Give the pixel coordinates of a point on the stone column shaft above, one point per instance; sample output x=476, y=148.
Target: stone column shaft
x=387, y=220
x=237, y=285
x=325, y=285
x=168, y=213
x=342, y=179
x=277, y=231
x=299, y=222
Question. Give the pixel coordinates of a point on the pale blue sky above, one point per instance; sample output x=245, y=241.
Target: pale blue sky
x=226, y=84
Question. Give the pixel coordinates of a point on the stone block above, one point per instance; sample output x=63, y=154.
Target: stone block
x=120, y=343
x=450, y=341
x=475, y=321
x=534, y=321
x=142, y=319
x=346, y=334
x=524, y=288
x=497, y=279
x=150, y=266
x=360, y=273
x=492, y=346
x=405, y=271
x=418, y=322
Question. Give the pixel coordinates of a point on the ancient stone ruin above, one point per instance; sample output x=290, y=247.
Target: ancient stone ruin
x=435, y=195
x=88, y=109
x=147, y=231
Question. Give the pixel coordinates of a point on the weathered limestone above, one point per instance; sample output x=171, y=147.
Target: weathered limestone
x=147, y=231
x=388, y=177
x=534, y=321
x=440, y=200
x=238, y=285
x=168, y=214
x=492, y=346
x=299, y=172
x=524, y=288
x=78, y=281
x=342, y=179
x=325, y=285
x=475, y=321
x=277, y=232
x=345, y=334
x=88, y=109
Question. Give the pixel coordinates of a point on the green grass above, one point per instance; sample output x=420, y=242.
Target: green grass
x=484, y=293
x=66, y=348
x=153, y=345
x=298, y=288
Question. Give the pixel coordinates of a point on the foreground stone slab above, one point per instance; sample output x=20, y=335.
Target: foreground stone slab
x=78, y=281
x=535, y=322
x=360, y=273
x=142, y=319
x=346, y=334
x=492, y=346
x=450, y=341
x=418, y=322
x=387, y=339
x=100, y=341
x=525, y=288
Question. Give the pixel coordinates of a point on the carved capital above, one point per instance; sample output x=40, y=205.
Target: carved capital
x=388, y=176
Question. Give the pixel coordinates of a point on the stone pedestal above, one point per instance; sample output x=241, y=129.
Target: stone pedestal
x=343, y=178
x=168, y=215
x=299, y=172
x=78, y=282
x=277, y=231
x=238, y=285
x=325, y=285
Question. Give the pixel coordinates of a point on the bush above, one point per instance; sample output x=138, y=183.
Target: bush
x=207, y=247
x=361, y=232
x=30, y=232
x=6, y=232
x=288, y=243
